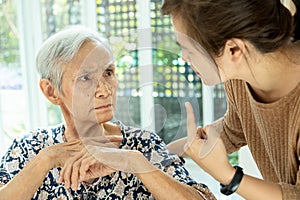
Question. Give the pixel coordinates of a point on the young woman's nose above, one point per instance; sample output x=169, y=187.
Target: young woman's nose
x=185, y=57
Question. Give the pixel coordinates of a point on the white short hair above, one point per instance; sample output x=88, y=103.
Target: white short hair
x=60, y=48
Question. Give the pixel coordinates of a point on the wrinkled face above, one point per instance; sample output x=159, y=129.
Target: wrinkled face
x=89, y=84
x=192, y=52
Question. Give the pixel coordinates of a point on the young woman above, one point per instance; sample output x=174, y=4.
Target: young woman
x=251, y=46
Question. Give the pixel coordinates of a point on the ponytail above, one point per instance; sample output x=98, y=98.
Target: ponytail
x=297, y=20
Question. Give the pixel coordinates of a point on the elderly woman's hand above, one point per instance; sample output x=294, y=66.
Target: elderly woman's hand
x=56, y=155
x=96, y=161
x=75, y=165
x=82, y=167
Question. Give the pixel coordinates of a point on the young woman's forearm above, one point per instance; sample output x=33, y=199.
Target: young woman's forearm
x=263, y=190
x=24, y=185
x=250, y=188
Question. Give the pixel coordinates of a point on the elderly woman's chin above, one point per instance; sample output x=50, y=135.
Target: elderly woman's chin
x=105, y=117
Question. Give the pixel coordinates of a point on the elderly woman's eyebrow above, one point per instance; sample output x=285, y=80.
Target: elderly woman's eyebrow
x=88, y=70
x=110, y=67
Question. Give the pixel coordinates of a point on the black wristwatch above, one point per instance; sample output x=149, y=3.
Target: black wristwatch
x=235, y=182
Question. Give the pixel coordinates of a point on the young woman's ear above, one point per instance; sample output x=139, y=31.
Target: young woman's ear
x=50, y=91
x=235, y=49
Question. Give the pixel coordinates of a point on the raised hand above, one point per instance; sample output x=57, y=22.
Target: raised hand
x=199, y=137
x=206, y=148
x=195, y=140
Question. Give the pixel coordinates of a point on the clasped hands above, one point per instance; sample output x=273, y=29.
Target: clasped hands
x=84, y=165
x=99, y=157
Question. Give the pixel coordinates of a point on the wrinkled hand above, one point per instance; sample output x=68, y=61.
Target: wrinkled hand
x=82, y=167
x=84, y=164
x=99, y=160
x=58, y=154
x=131, y=161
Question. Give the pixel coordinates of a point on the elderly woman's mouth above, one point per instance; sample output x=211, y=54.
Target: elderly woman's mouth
x=103, y=107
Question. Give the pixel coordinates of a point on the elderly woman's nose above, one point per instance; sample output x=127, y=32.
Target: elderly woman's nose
x=103, y=89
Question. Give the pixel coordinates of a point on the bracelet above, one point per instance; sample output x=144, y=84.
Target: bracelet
x=235, y=182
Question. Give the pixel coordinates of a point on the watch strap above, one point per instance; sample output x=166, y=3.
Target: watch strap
x=235, y=182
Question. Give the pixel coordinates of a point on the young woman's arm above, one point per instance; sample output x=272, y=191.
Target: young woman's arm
x=215, y=163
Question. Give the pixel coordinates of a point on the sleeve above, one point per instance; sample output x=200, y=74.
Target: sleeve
x=292, y=191
x=232, y=134
x=4, y=176
x=12, y=162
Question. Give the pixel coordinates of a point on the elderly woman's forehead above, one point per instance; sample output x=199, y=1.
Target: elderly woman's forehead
x=99, y=53
x=91, y=45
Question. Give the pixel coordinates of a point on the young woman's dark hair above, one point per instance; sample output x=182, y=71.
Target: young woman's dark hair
x=267, y=24
x=297, y=20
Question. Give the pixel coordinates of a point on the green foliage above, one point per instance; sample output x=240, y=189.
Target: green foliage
x=19, y=128
x=54, y=114
x=233, y=158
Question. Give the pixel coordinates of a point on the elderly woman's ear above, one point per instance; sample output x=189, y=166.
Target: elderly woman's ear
x=50, y=92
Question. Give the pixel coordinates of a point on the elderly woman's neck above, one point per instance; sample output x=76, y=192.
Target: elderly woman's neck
x=81, y=130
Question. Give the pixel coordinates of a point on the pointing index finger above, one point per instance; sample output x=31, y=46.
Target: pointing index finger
x=191, y=123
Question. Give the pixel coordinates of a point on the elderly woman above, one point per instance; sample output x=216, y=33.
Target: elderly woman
x=78, y=75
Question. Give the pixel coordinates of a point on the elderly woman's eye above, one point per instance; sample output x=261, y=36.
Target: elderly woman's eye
x=109, y=73
x=84, y=78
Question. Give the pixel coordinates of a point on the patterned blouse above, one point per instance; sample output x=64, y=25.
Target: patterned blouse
x=119, y=185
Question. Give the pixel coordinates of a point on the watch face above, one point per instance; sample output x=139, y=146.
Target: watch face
x=201, y=61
